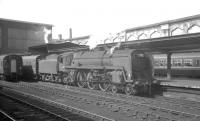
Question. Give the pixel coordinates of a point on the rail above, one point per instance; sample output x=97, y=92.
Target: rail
x=6, y=116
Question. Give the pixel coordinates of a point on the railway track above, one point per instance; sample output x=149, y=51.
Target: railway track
x=47, y=110
x=18, y=109
x=138, y=108
x=164, y=104
x=5, y=117
x=157, y=101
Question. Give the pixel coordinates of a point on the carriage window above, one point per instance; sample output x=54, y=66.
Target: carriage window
x=156, y=62
x=188, y=62
x=163, y=62
x=177, y=62
x=198, y=62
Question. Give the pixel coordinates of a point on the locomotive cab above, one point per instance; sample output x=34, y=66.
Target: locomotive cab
x=64, y=60
x=65, y=73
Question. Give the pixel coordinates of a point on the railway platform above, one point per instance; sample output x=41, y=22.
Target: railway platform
x=180, y=82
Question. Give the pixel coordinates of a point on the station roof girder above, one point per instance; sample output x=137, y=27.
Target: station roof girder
x=172, y=44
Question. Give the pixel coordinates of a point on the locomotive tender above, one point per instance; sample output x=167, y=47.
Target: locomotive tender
x=128, y=70
x=30, y=67
x=11, y=67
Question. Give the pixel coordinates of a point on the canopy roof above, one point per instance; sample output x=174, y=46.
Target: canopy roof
x=57, y=47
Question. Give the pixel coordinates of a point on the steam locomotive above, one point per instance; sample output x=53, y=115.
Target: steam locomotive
x=128, y=70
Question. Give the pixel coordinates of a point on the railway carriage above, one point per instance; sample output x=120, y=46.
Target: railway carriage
x=183, y=64
x=11, y=67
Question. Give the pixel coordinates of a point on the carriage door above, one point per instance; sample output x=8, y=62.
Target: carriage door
x=13, y=65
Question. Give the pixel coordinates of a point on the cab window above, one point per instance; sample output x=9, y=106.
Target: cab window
x=60, y=59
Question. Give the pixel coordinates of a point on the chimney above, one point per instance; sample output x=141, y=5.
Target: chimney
x=60, y=36
x=70, y=33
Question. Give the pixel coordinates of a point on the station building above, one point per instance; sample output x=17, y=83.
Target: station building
x=18, y=36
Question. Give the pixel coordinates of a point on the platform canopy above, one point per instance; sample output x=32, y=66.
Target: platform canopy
x=57, y=47
x=172, y=44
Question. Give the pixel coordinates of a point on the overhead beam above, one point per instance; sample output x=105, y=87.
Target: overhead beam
x=169, y=66
x=169, y=28
x=165, y=44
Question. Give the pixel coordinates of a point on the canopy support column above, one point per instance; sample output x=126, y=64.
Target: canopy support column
x=169, y=66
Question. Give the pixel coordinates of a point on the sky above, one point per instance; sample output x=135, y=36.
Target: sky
x=97, y=18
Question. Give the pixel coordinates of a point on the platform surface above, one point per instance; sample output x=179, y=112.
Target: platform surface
x=180, y=82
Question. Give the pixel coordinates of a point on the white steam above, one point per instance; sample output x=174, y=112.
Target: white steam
x=94, y=41
x=46, y=34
